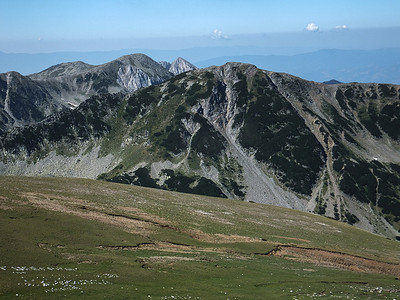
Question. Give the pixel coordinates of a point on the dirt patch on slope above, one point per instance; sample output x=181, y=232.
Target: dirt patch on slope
x=335, y=259
x=165, y=247
x=84, y=209
x=219, y=238
x=291, y=238
x=6, y=204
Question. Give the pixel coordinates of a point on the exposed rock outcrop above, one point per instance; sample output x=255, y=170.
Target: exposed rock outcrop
x=165, y=64
x=181, y=65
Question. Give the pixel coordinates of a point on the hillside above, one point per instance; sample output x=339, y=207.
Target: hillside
x=91, y=238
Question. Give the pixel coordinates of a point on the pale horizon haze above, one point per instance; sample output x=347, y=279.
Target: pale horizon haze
x=44, y=26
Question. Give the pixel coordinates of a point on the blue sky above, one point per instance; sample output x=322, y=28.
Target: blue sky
x=83, y=25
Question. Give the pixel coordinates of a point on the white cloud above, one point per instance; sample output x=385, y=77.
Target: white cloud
x=312, y=27
x=219, y=35
x=342, y=27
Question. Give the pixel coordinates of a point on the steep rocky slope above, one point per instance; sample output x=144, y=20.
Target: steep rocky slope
x=178, y=66
x=23, y=101
x=234, y=131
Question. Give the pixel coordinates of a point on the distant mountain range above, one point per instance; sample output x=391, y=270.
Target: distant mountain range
x=232, y=131
x=28, y=99
x=381, y=65
x=332, y=81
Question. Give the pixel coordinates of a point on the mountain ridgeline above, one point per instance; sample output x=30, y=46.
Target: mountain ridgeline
x=233, y=131
x=28, y=99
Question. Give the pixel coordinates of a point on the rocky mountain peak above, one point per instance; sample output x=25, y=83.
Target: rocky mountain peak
x=332, y=81
x=142, y=62
x=181, y=65
x=234, y=70
x=63, y=69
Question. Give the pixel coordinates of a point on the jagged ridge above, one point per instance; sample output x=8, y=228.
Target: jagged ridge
x=28, y=99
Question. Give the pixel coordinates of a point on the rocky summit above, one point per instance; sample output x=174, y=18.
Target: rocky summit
x=230, y=131
x=180, y=65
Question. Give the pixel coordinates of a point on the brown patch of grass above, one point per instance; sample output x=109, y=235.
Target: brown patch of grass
x=165, y=260
x=85, y=209
x=291, y=238
x=167, y=247
x=6, y=204
x=336, y=260
x=145, y=216
x=220, y=238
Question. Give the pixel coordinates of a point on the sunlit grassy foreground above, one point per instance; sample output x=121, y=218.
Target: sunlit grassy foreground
x=92, y=239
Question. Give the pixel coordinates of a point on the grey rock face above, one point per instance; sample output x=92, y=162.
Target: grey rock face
x=165, y=64
x=181, y=65
x=132, y=78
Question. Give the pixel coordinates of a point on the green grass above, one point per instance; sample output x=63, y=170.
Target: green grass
x=81, y=238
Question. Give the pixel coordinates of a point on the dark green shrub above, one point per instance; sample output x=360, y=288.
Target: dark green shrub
x=209, y=188
x=351, y=218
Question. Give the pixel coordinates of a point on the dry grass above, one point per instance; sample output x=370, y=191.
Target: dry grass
x=336, y=260
x=87, y=210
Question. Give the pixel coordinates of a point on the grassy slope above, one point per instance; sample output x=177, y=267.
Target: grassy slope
x=78, y=237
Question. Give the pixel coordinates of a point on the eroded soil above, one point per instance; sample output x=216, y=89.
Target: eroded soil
x=335, y=259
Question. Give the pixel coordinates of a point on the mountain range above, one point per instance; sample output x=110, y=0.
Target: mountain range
x=373, y=65
x=232, y=131
x=27, y=99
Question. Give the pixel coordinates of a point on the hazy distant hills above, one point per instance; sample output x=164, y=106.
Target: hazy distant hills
x=382, y=65
x=231, y=131
x=343, y=65
x=332, y=81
